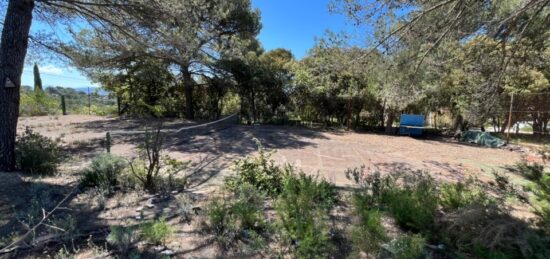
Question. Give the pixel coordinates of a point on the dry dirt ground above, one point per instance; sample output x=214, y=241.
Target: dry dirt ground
x=326, y=153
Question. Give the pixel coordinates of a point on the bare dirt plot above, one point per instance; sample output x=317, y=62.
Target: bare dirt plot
x=327, y=153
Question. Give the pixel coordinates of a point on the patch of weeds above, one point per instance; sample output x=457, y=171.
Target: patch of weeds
x=239, y=218
x=123, y=238
x=531, y=171
x=369, y=233
x=37, y=154
x=490, y=230
x=406, y=247
x=413, y=206
x=453, y=196
x=184, y=208
x=303, y=207
x=157, y=231
x=104, y=172
x=261, y=172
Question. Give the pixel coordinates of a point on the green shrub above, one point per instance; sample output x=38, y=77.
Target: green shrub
x=104, y=172
x=238, y=218
x=369, y=233
x=36, y=154
x=458, y=195
x=531, y=171
x=157, y=231
x=413, y=205
x=122, y=238
x=261, y=172
x=407, y=247
x=303, y=207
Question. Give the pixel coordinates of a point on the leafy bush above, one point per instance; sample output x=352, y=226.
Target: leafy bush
x=123, y=238
x=458, y=195
x=302, y=207
x=407, y=247
x=37, y=154
x=240, y=218
x=413, y=205
x=369, y=233
x=157, y=231
x=261, y=172
x=104, y=172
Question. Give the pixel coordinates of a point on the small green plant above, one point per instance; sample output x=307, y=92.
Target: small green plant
x=369, y=233
x=153, y=171
x=413, y=206
x=36, y=154
x=261, y=172
x=122, y=238
x=303, y=207
x=238, y=218
x=458, y=195
x=157, y=231
x=407, y=247
x=104, y=172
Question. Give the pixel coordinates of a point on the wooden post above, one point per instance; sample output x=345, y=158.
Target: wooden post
x=63, y=106
x=510, y=117
x=89, y=102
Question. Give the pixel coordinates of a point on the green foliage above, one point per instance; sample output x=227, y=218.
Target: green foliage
x=122, y=238
x=413, y=205
x=239, y=217
x=37, y=103
x=261, y=172
x=302, y=207
x=531, y=171
x=407, y=247
x=368, y=233
x=108, y=142
x=37, y=154
x=104, y=172
x=157, y=231
x=453, y=196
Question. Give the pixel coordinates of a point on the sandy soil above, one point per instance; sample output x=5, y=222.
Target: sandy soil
x=326, y=153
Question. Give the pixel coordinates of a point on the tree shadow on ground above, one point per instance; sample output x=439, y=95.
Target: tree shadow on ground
x=23, y=202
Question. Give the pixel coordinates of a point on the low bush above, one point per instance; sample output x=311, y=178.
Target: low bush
x=406, y=247
x=123, y=238
x=368, y=233
x=413, y=206
x=261, y=172
x=37, y=154
x=303, y=207
x=453, y=196
x=38, y=103
x=531, y=171
x=238, y=218
x=104, y=172
x=157, y=231
x=488, y=230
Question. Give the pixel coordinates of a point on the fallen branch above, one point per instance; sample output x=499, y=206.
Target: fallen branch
x=45, y=215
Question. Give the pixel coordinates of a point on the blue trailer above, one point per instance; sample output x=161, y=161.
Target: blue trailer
x=411, y=124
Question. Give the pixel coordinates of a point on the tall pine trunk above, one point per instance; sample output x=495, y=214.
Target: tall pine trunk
x=13, y=49
x=188, y=83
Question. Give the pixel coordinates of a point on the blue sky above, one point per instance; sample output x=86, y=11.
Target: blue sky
x=290, y=24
